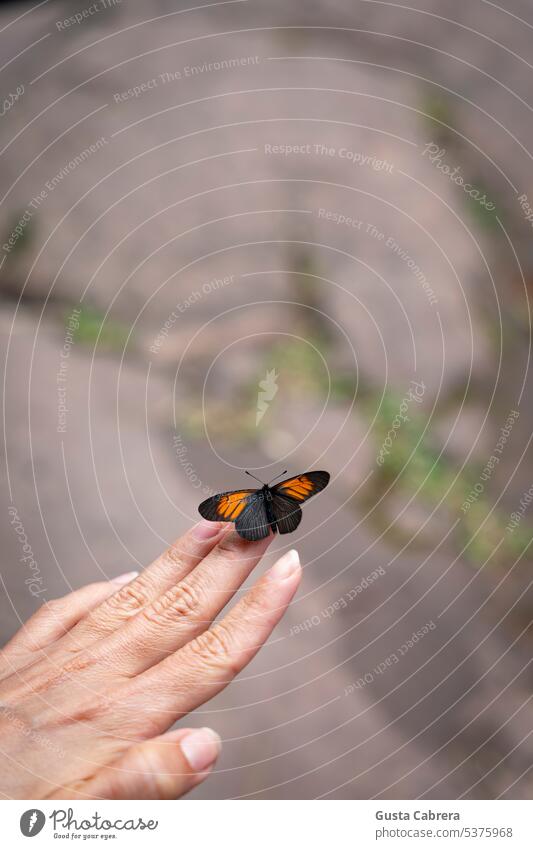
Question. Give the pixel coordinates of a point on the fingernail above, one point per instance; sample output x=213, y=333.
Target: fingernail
x=206, y=530
x=125, y=578
x=201, y=748
x=285, y=566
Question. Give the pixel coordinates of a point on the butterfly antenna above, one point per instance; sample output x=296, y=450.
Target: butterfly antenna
x=253, y=476
x=277, y=476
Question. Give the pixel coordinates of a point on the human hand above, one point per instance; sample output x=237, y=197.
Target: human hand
x=91, y=683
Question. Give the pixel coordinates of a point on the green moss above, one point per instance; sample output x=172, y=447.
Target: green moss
x=485, y=218
x=415, y=466
x=26, y=237
x=438, y=115
x=94, y=327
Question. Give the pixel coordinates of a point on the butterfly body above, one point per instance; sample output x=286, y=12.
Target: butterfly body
x=257, y=512
x=266, y=492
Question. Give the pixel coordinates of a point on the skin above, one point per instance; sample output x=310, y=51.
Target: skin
x=91, y=684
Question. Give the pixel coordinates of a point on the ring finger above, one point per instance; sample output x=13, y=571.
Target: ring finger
x=185, y=610
x=168, y=569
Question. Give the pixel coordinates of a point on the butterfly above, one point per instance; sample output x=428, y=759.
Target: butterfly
x=257, y=511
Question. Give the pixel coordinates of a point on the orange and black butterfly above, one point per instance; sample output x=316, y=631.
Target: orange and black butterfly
x=256, y=511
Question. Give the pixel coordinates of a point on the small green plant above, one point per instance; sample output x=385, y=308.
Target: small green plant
x=438, y=115
x=485, y=218
x=416, y=467
x=94, y=328
x=22, y=231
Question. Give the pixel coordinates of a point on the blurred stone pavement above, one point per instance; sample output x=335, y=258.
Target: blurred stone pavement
x=435, y=722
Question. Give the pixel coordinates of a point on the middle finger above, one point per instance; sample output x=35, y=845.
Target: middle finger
x=184, y=610
x=169, y=568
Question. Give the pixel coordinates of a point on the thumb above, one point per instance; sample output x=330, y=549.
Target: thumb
x=165, y=767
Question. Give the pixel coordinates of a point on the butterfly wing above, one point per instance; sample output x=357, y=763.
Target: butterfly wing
x=226, y=506
x=286, y=512
x=289, y=494
x=303, y=486
x=245, y=507
x=252, y=523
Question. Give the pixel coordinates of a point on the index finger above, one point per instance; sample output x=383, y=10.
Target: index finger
x=202, y=668
x=166, y=570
